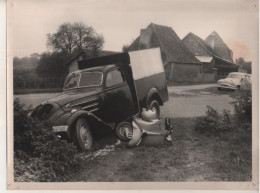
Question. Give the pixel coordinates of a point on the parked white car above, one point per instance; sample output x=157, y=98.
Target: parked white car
x=235, y=81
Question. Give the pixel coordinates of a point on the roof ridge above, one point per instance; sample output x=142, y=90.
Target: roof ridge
x=219, y=38
x=153, y=26
x=184, y=48
x=198, y=39
x=190, y=33
x=179, y=42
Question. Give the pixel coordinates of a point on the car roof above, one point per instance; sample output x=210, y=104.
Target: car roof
x=241, y=73
x=102, y=69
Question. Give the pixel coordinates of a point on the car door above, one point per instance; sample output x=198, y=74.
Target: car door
x=116, y=98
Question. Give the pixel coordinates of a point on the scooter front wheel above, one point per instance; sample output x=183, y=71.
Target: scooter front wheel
x=124, y=131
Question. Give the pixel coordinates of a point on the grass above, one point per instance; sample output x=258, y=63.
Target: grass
x=191, y=157
x=31, y=91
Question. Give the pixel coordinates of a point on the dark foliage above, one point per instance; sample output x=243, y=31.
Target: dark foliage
x=38, y=154
x=243, y=107
x=246, y=65
x=216, y=124
x=75, y=36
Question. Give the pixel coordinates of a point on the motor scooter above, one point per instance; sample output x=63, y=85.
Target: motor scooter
x=145, y=129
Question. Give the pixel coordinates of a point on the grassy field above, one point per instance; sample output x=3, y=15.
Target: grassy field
x=191, y=157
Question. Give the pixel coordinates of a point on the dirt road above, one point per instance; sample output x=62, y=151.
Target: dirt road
x=183, y=102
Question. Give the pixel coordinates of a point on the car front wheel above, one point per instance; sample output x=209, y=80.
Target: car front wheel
x=83, y=138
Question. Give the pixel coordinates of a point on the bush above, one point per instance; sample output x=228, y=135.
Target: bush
x=216, y=124
x=243, y=107
x=38, y=154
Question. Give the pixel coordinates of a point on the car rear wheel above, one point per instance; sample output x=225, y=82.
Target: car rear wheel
x=155, y=107
x=83, y=138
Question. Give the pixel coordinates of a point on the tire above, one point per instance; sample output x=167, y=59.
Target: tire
x=83, y=138
x=155, y=106
x=124, y=131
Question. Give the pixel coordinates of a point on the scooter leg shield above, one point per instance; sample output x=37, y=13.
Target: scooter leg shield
x=137, y=136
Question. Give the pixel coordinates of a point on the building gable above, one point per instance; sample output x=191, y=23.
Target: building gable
x=219, y=47
x=172, y=48
x=195, y=46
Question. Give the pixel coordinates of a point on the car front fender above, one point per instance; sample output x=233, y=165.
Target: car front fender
x=86, y=114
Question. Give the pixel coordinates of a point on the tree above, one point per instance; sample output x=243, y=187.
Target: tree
x=51, y=64
x=51, y=70
x=247, y=65
x=75, y=36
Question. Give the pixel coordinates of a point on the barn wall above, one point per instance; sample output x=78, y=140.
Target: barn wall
x=187, y=73
x=73, y=66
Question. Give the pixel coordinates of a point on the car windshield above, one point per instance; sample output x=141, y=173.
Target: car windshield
x=71, y=81
x=236, y=76
x=85, y=79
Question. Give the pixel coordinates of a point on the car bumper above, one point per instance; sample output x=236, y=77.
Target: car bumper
x=227, y=86
x=60, y=128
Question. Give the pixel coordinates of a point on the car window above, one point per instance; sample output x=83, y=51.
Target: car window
x=236, y=76
x=114, y=77
x=88, y=79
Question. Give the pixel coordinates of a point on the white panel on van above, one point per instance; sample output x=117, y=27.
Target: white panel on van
x=145, y=63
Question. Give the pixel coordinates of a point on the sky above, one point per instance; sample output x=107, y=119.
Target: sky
x=120, y=21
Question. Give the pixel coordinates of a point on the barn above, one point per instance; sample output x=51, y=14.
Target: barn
x=180, y=64
x=213, y=53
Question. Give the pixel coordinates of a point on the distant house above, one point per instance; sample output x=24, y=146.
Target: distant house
x=72, y=61
x=212, y=52
x=180, y=64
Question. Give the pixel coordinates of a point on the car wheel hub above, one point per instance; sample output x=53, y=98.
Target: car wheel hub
x=84, y=133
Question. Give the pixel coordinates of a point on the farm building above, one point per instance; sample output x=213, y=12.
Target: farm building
x=180, y=64
x=213, y=53
x=83, y=54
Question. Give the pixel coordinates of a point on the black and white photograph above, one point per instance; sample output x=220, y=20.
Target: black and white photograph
x=133, y=94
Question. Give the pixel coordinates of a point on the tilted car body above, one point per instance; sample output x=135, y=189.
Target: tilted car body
x=235, y=81
x=105, y=92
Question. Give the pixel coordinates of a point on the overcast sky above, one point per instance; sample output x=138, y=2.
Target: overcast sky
x=120, y=21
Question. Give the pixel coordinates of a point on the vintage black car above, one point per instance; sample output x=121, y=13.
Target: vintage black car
x=104, y=92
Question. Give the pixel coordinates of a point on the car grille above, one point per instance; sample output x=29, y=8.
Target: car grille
x=42, y=112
